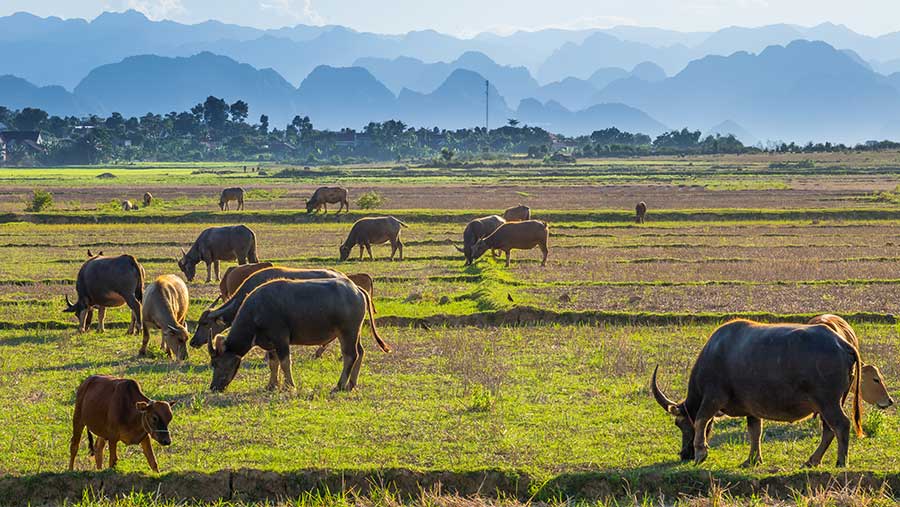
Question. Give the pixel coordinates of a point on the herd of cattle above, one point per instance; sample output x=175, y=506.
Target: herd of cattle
x=784, y=372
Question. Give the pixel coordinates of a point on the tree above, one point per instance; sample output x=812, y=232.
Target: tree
x=447, y=154
x=264, y=124
x=215, y=112
x=30, y=118
x=239, y=111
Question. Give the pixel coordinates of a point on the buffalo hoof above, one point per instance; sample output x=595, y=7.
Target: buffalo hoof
x=810, y=464
x=700, y=456
x=142, y=352
x=750, y=463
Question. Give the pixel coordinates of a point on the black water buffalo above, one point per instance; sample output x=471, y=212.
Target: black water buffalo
x=373, y=231
x=282, y=313
x=640, y=212
x=478, y=229
x=783, y=372
x=213, y=322
x=105, y=282
x=219, y=244
x=231, y=194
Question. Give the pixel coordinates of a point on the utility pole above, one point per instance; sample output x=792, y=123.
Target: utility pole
x=487, y=104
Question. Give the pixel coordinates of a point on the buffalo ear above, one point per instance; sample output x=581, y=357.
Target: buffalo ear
x=674, y=410
x=173, y=403
x=142, y=406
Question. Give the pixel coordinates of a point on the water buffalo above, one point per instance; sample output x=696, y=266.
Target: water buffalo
x=282, y=313
x=116, y=411
x=165, y=307
x=213, y=322
x=219, y=244
x=323, y=196
x=640, y=211
x=518, y=213
x=105, y=282
x=478, y=229
x=780, y=372
x=231, y=194
x=148, y=199
x=872, y=386
x=128, y=206
x=515, y=236
x=373, y=231
x=235, y=276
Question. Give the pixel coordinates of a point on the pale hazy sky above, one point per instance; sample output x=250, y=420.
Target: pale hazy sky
x=466, y=17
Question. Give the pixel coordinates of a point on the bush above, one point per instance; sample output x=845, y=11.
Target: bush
x=370, y=200
x=40, y=200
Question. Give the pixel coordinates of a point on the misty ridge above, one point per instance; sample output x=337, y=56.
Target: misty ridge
x=777, y=82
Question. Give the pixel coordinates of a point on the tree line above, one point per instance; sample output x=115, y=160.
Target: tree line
x=217, y=131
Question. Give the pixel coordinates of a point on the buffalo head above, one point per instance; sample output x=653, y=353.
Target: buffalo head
x=478, y=250
x=682, y=418
x=310, y=206
x=224, y=364
x=187, y=266
x=208, y=326
x=345, y=251
x=176, y=338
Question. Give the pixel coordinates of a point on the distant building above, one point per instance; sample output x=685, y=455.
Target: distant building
x=11, y=140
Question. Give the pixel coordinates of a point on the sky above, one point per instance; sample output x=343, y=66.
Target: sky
x=468, y=17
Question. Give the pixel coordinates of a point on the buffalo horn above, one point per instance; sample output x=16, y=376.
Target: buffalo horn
x=664, y=402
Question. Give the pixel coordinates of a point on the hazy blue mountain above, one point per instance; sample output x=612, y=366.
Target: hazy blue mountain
x=335, y=98
x=554, y=117
x=571, y=92
x=603, y=76
x=514, y=83
x=459, y=102
x=603, y=50
x=142, y=84
x=17, y=93
x=804, y=91
x=648, y=71
x=753, y=40
x=657, y=37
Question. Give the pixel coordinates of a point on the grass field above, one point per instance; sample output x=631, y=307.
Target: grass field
x=562, y=394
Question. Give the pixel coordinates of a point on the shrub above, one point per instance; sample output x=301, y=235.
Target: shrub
x=872, y=423
x=40, y=200
x=370, y=200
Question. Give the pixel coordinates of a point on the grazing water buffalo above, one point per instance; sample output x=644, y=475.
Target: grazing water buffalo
x=231, y=194
x=116, y=411
x=213, y=322
x=165, y=307
x=282, y=313
x=235, y=276
x=219, y=244
x=323, y=196
x=128, y=206
x=148, y=199
x=105, y=282
x=373, y=231
x=872, y=386
x=518, y=213
x=783, y=372
x=478, y=229
x=640, y=211
x=515, y=236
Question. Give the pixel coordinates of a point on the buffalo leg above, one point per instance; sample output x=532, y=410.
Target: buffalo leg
x=354, y=373
x=146, y=340
x=98, y=452
x=393, y=249
x=705, y=415
x=216, y=265
x=361, y=251
x=285, y=360
x=400, y=247
x=77, y=431
x=113, y=456
x=148, y=453
x=350, y=351
x=208, y=272
x=754, y=429
x=827, y=437
x=273, y=370
x=135, y=307
x=544, y=252
x=840, y=425
x=84, y=319
x=369, y=251
x=507, y=258
x=326, y=207
x=101, y=319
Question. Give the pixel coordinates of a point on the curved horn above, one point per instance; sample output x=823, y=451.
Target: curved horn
x=183, y=252
x=209, y=347
x=69, y=303
x=460, y=249
x=664, y=402
x=89, y=253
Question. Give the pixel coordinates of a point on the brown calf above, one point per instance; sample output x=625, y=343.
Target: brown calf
x=116, y=411
x=516, y=236
x=518, y=213
x=235, y=276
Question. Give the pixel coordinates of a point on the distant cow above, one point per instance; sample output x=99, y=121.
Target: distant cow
x=373, y=231
x=214, y=321
x=780, y=372
x=231, y=194
x=165, y=307
x=516, y=236
x=128, y=206
x=640, y=211
x=872, y=386
x=518, y=213
x=116, y=411
x=476, y=230
x=148, y=199
x=105, y=282
x=235, y=275
x=323, y=196
x=282, y=313
x=219, y=244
